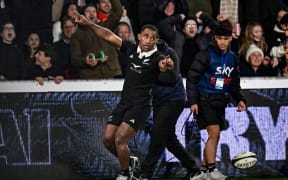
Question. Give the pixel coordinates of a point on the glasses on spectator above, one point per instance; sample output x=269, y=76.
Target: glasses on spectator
x=191, y=25
x=68, y=27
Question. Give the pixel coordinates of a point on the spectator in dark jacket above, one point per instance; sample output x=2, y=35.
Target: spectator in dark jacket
x=189, y=42
x=44, y=67
x=11, y=57
x=254, y=64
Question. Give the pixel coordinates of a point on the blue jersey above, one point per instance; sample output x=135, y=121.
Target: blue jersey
x=220, y=69
x=213, y=72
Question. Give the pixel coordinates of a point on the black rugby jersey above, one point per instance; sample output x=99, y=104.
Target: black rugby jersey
x=141, y=74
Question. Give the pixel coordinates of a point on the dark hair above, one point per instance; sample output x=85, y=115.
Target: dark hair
x=223, y=29
x=187, y=19
x=65, y=19
x=284, y=19
x=49, y=50
x=89, y=5
x=66, y=7
x=149, y=26
x=4, y=23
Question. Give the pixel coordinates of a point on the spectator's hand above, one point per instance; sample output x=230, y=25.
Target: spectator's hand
x=274, y=62
x=2, y=78
x=198, y=14
x=286, y=54
x=277, y=51
x=285, y=71
x=40, y=80
x=166, y=64
x=241, y=106
x=267, y=60
x=194, y=109
x=90, y=61
x=58, y=79
x=182, y=16
x=124, y=11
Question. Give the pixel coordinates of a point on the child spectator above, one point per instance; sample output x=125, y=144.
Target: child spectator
x=44, y=68
x=31, y=46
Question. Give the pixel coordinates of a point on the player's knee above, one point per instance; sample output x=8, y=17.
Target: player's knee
x=120, y=140
x=108, y=141
x=214, y=136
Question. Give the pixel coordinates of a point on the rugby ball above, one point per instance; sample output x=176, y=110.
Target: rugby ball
x=244, y=160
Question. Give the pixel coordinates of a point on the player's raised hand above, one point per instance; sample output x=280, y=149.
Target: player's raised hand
x=166, y=64
x=80, y=19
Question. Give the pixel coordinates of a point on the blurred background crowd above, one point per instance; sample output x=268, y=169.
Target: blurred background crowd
x=40, y=40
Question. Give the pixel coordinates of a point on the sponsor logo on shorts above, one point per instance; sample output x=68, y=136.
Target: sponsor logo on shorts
x=132, y=121
x=109, y=119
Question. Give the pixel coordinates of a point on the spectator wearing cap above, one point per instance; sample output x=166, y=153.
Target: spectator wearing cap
x=254, y=64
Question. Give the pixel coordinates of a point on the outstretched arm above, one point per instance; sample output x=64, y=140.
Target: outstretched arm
x=100, y=31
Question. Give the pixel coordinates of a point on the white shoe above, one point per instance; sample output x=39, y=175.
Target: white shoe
x=200, y=176
x=216, y=175
x=134, y=163
x=122, y=177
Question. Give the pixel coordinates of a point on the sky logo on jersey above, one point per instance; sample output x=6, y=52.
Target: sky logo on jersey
x=224, y=70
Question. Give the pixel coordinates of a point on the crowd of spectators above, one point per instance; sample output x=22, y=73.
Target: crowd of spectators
x=40, y=40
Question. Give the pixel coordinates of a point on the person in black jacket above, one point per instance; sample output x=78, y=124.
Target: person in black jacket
x=213, y=75
x=11, y=56
x=168, y=103
x=189, y=42
x=44, y=67
x=254, y=66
